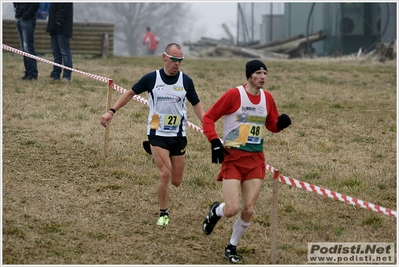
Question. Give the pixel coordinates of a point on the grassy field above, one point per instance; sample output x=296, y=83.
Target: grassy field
x=64, y=202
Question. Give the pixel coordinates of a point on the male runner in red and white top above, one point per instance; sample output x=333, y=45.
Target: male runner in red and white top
x=247, y=109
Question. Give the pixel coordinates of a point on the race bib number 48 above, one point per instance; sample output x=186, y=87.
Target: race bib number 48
x=250, y=133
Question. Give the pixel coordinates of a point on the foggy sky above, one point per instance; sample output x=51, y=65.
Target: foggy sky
x=209, y=18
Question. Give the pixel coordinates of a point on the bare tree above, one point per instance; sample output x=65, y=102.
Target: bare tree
x=167, y=21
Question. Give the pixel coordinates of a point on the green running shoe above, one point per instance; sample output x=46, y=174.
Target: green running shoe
x=163, y=220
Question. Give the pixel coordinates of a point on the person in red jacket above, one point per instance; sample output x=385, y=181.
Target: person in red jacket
x=247, y=109
x=151, y=41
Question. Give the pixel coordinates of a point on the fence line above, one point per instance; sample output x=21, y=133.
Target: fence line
x=283, y=179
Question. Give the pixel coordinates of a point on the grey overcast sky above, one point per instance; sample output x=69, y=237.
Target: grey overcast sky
x=210, y=17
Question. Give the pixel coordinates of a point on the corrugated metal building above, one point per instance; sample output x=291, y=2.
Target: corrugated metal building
x=348, y=26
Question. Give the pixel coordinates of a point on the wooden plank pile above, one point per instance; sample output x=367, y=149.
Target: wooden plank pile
x=89, y=38
x=293, y=47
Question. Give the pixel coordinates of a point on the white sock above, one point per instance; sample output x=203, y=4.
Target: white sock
x=219, y=210
x=239, y=229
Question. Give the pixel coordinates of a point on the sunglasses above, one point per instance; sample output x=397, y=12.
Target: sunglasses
x=174, y=59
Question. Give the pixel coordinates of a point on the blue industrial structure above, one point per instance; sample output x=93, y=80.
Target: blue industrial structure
x=348, y=26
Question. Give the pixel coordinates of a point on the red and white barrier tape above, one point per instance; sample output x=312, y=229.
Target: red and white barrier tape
x=332, y=194
x=283, y=179
x=16, y=51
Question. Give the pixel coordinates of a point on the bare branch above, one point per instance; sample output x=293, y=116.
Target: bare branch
x=131, y=19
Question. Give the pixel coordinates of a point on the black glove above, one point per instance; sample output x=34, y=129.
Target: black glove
x=218, y=151
x=283, y=121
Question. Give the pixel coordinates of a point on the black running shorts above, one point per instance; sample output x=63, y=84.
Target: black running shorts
x=175, y=145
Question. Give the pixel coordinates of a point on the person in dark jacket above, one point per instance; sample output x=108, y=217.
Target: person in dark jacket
x=25, y=13
x=60, y=27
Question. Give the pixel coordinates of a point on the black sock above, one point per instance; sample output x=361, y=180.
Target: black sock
x=231, y=247
x=164, y=212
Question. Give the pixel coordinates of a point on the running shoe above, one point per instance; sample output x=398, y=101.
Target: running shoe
x=211, y=219
x=230, y=253
x=163, y=220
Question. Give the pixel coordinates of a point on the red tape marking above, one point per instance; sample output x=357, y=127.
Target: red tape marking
x=335, y=195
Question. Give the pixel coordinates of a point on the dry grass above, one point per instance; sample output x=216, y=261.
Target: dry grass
x=65, y=203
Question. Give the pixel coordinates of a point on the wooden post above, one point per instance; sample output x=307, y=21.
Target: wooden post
x=273, y=244
x=105, y=45
x=109, y=98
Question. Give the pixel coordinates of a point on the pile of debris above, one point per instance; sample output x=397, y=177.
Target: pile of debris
x=293, y=47
x=299, y=46
x=384, y=51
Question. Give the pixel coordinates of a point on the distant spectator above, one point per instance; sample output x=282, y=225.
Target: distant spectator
x=151, y=41
x=60, y=27
x=25, y=13
x=43, y=11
